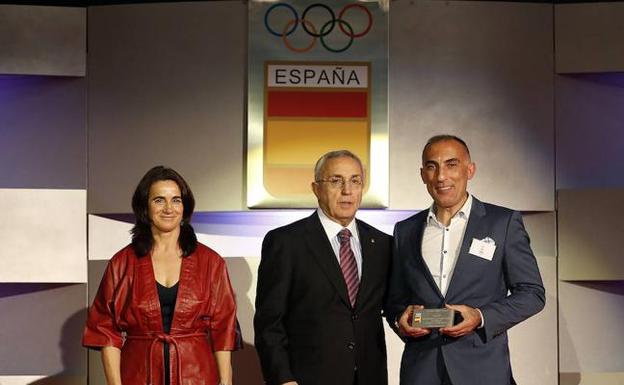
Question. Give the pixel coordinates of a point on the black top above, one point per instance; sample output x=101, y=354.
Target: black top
x=167, y=297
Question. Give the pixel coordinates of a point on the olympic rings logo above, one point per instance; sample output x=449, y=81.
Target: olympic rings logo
x=318, y=33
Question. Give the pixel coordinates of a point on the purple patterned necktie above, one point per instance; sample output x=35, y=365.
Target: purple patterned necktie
x=348, y=265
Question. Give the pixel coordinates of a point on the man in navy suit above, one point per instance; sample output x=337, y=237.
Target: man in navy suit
x=466, y=255
x=321, y=285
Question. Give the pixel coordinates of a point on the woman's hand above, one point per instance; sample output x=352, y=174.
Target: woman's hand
x=111, y=359
x=224, y=366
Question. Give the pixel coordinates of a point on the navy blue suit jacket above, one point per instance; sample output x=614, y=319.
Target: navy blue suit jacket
x=508, y=289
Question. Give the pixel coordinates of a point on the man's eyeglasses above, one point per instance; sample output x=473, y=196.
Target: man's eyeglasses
x=339, y=183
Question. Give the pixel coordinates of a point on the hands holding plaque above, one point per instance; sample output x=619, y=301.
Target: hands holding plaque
x=453, y=320
x=434, y=318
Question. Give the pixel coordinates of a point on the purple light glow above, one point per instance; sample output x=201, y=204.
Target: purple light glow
x=257, y=223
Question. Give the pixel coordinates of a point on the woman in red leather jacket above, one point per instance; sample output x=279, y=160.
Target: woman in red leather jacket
x=164, y=313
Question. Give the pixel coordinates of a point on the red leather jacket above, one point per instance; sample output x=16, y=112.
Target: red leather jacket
x=126, y=314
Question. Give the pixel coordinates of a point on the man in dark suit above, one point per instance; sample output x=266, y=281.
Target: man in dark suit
x=471, y=257
x=320, y=290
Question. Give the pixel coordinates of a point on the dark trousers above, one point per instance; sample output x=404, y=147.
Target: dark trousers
x=442, y=372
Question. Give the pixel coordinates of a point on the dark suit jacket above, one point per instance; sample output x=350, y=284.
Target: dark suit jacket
x=305, y=327
x=482, y=357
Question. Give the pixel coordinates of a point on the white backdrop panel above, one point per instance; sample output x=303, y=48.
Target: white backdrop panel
x=106, y=237
x=590, y=314
x=533, y=343
x=44, y=236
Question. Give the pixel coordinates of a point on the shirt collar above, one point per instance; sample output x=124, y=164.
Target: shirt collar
x=333, y=228
x=464, y=211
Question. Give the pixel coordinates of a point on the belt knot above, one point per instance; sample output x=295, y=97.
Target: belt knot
x=166, y=338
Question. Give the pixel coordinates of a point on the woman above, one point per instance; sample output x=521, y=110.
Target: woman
x=164, y=312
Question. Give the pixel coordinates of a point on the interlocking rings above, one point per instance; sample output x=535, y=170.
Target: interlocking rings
x=351, y=36
x=271, y=8
x=311, y=30
x=285, y=36
x=368, y=14
x=332, y=21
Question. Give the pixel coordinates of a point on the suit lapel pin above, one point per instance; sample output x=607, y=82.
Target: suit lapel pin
x=372, y=240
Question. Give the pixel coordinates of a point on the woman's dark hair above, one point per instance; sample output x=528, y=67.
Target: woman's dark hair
x=142, y=232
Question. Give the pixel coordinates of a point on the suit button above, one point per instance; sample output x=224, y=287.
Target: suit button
x=351, y=345
x=354, y=317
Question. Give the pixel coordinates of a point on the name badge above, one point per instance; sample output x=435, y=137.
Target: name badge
x=483, y=248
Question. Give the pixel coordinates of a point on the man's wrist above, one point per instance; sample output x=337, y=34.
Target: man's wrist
x=482, y=319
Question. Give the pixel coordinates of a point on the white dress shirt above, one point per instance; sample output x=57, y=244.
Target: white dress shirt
x=333, y=228
x=441, y=244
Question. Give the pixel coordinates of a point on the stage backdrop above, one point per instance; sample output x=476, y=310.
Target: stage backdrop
x=318, y=81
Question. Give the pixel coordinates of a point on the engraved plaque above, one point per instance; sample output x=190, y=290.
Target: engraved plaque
x=433, y=318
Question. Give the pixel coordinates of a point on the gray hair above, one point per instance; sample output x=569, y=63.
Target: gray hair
x=332, y=155
x=443, y=138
